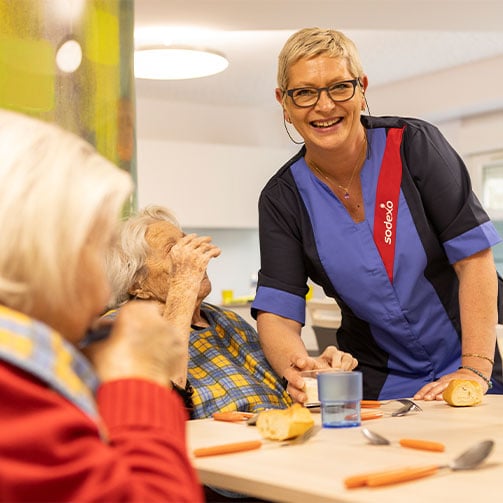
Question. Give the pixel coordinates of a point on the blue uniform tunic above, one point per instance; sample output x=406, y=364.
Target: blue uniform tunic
x=402, y=325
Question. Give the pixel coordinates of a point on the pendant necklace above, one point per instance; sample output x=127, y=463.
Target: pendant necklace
x=348, y=187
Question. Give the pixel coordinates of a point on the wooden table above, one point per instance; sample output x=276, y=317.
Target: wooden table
x=313, y=472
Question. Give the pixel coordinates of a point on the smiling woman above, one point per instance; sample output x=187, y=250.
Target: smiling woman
x=379, y=212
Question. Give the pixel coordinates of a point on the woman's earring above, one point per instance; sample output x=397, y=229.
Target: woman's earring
x=288, y=133
x=367, y=105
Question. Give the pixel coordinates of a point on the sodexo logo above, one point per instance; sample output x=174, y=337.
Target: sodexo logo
x=388, y=221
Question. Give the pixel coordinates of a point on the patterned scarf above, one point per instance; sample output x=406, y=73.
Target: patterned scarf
x=37, y=349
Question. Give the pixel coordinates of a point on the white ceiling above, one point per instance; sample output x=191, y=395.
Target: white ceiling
x=397, y=39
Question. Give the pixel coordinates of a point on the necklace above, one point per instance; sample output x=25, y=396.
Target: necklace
x=348, y=187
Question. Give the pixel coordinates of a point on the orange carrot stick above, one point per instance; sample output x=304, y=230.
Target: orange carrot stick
x=355, y=481
x=404, y=475
x=370, y=404
x=370, y=414
x=425, y=445
x=361, y=480
x=232, y=416
x=227, y=448
x=376, y=479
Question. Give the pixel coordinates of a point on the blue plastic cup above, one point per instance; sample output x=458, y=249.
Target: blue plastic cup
x=340, y=394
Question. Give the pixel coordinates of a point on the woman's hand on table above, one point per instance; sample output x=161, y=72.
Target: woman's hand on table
x=434, y=390
x=330, y=358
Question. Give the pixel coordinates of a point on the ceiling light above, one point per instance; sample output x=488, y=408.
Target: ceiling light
x=69, y=56
x=177, y=62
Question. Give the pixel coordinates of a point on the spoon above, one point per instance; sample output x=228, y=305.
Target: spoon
x=467, y=460
x=426, y=445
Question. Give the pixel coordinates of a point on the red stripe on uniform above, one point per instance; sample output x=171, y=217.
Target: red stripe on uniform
x=388, y=192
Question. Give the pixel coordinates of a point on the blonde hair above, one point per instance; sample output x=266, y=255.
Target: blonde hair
x=310, y=42
x=126, y=260
x=55, y=189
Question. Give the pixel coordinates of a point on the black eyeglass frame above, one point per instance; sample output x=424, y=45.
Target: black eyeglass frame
x=353, y=82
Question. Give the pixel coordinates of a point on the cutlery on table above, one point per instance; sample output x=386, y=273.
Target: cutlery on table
x=427, y=445
x=467, y=460
x=407, y=406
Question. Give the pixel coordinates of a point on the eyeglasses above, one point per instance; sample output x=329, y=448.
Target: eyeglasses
x=305, y=97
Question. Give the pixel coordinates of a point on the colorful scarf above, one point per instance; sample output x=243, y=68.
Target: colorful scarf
x=42, y=352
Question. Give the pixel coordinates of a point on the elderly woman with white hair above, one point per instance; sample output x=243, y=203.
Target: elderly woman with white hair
x=224, y=368
x=106, y=427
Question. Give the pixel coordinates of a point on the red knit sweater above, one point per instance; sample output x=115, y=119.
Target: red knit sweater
x=51, y=451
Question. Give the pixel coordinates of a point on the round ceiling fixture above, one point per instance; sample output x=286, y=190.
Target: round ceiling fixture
x=177, y=62
x=69, y=56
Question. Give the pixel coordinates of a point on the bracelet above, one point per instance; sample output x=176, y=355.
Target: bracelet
x=478, y=356
x=480, y=374
x=186, y=395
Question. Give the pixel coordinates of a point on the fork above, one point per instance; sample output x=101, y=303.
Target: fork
x=408, y=406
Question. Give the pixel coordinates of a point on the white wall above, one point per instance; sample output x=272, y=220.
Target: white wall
x=207, y=185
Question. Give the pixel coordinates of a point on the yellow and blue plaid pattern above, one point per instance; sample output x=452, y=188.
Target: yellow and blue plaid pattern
x=37, y=349
x=228, y=369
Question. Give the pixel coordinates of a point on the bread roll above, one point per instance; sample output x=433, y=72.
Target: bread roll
x=282, y=424
x=463, y=393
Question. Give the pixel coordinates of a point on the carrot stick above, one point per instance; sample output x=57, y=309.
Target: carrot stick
x=370, y=404
x=355, y=481
x=227, y=448
x=370, y=414
x=232, y=416
x=404, y=475
x=361, y=480
x=375, y=479
x=425, y=445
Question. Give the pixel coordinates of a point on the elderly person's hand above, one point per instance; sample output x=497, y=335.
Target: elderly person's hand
x=189, y=258
x=142, y=344
x=330, y=358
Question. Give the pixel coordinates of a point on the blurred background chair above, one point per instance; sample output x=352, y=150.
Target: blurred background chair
x=325, y=320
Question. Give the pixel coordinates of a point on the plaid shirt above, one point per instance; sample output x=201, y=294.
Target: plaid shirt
x=228, y=369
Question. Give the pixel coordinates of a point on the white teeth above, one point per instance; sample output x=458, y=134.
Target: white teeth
x=325, y=124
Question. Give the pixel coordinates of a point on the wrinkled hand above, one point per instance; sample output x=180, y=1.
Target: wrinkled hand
x=188, y=260
x=330, y=358
x=142, y=344
x=190, y=257
x=434, y=390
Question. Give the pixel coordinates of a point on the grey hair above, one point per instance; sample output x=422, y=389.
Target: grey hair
x=55, y=189
x=310, y=42
x=126, y=260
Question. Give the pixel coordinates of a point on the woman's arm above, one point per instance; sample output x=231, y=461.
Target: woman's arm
x=284, y=349
x=190, y=257
x=478, y=292
x=141, y=455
